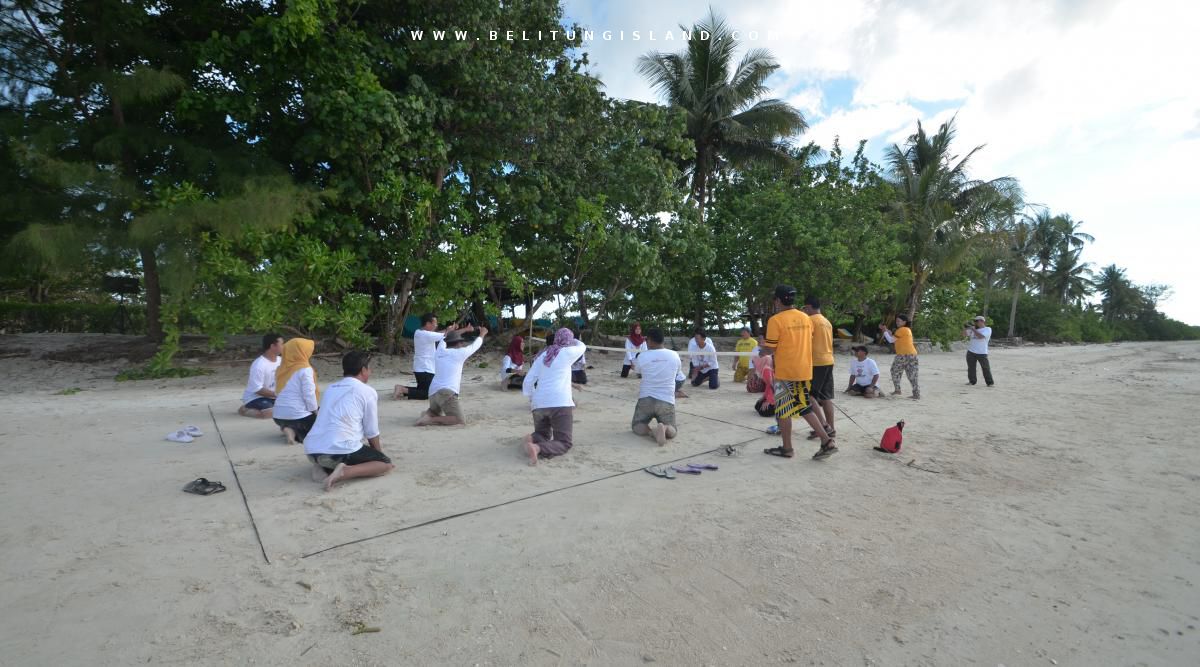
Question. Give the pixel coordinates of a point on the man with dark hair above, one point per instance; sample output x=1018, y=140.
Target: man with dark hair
x=978, y=335
x=703, y=360
x=822, y=360
x=864, y=374
x=789, y=339
x=452, y=353
x=662, y=375
x=258, y=399
x=349, y=414
x=425, y=342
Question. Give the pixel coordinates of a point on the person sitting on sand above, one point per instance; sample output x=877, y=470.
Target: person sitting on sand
x=864, y=374
x=662, y=375
x=425, y=342
x=452, y=353
x=512, y=366
x=299, y=396
x=548, y=386
x=745, y=344
x=703, y=361
x=259, y=397
x=349, y=414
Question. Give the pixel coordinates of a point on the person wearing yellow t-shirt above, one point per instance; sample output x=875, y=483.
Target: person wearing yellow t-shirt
x=822, y=358
x=745, y=344
x=790, y=340
x=905, y=361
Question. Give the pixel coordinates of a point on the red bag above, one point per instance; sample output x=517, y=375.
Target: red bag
x=892, y=438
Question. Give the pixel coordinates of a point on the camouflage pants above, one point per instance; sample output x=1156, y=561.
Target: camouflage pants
x=906, y=364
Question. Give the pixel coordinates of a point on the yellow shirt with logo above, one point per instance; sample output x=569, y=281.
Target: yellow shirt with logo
x=790, y=333
x=744, y=345
x=822, y=347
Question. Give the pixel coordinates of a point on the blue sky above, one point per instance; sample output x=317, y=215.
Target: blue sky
x=1092, y=104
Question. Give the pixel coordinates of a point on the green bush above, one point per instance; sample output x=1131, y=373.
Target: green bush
x=20, y=317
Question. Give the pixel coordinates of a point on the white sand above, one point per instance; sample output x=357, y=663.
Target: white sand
x=1063, y=527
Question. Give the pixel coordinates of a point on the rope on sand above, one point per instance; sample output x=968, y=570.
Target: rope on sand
x=238, y=480
x=522, y=499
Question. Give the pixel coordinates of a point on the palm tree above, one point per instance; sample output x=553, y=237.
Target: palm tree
x=1070, y=280
x=1022, y=244
x=726, y=118
x=943, y=209
x=1120, y=296
x=1054, y=235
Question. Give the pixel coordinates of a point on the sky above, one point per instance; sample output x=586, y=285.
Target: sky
x=1094, y=105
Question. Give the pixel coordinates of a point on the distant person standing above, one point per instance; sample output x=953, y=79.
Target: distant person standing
x=425, y=342
x=746, y=344
x=258, y=399
x=905, y=361
x=822, y=360
x=790, y=339
x=703, y=360
x=978, y=335
x=635, y=343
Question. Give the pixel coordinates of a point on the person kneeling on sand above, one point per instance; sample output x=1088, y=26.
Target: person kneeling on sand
x=662, y=374
x=864, y=374
x=258, y=399
x=548, y=386
x=452, y=353
x=349, y=414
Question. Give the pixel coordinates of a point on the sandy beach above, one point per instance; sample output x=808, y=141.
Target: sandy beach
x=1050, y=520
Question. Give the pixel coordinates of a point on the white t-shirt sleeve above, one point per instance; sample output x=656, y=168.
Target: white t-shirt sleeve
x=308, y=389
x=370, y=420
x=531, y=378
x=887, y=335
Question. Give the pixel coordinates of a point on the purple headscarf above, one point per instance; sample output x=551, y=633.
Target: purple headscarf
x=564, y=337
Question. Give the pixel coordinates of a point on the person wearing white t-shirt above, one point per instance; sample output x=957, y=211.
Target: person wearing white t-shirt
x=703, y=360
x=425, y=343
x=296, y=405
x=258, y=398
x=978, y=335
x=864, y=374
x=548, y=387
x=452, y=353
x=349, y=414
x=662, y=374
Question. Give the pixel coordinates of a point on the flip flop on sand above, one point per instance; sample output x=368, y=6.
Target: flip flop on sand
x=193, y=431
x=203, y=487
x=687, y=470
x=658, y=471
x=180, y=436
x=702, y=466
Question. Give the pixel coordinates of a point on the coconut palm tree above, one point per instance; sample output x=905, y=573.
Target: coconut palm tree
x=727, y=118
x=1021, y=246
x=1070, y=280
x=943, y=209
x=1120, y=296
x=1053, y=236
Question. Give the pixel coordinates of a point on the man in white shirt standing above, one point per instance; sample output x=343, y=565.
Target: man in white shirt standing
x=349, y=414
x=978, y=336
x=703, y=358
x=864, y=374
x=425, y=342
x=548, y=387
x=452, y=353
x=258, y=399
x=662, y=374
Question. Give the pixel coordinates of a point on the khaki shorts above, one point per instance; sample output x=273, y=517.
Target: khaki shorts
x=648, y=408
x=445, y=404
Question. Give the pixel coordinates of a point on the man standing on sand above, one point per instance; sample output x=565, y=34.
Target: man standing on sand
x=662, y=375
x=452, y=353
x=703, y=361
x=349, y=414
x=822, y=359
x=258, y=400
x=978, y=336
x=425, y=341
x=548, y=386
x=789, y=340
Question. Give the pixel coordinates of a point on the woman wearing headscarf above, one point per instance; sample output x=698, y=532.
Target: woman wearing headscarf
x=548, y=386
x=296, y=381
x=512, y=366
x=634, y=344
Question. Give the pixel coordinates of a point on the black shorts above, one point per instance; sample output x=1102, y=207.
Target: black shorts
x=822, y=383
x=861, y=389
x=579, y=377
x=365, y=454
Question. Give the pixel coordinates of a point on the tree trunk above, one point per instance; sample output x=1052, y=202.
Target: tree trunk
x=914, y=297
x=1012, y=311
x=583, y=310
x=399, y=302
x=987, y=290
x=153, y=294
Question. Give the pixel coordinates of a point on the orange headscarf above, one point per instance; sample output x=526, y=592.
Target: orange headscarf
x=296, y=355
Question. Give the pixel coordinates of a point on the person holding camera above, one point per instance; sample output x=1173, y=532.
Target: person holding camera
x=978, y=334
x=905, y=362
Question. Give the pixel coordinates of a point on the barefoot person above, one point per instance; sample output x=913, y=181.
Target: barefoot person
x=296, y=405
x=259, y=397
x=349, y=414
x=864, y=374
x=548, y=386
x=662, y=375
x=822, y=359
x=444, y=406
x=512, y=366
x=425, y=342
x=635, y=343
x=703, y=359
x=905, y=360
x=789, y=340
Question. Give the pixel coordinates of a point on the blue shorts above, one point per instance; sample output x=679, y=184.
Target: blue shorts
x=260, y=403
